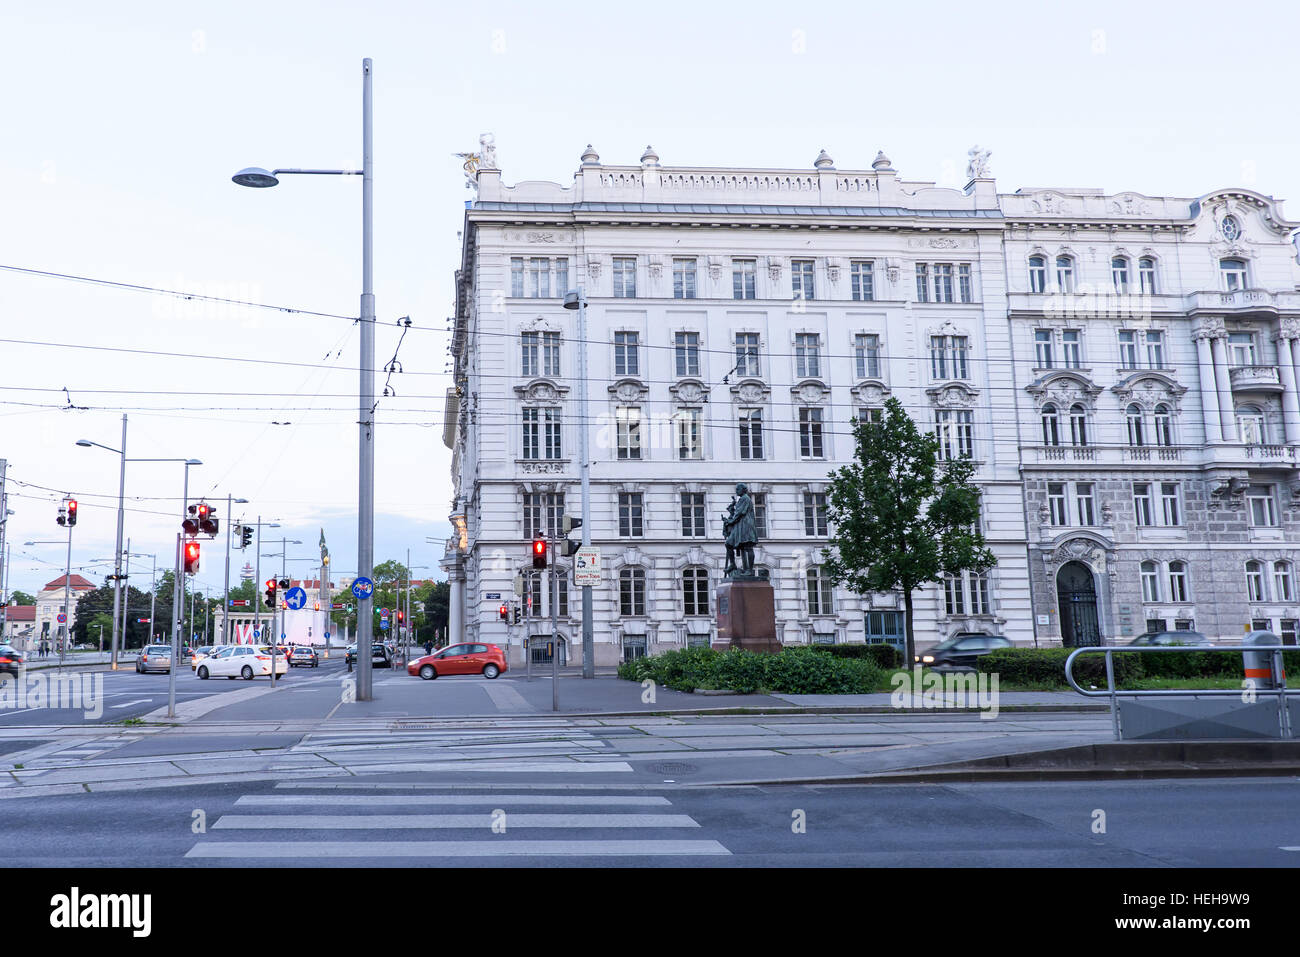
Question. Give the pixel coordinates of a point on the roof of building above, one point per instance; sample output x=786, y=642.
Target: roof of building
x=20, y=613
x=78, y=583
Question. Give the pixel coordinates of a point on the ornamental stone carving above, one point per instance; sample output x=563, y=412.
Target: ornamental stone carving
x=1289, y=327
x=750, y=392
x=628, y=390
x=540, y=237
x=833, y=267
x=810, y=393
x=870, y=394
x=773, y=268
x=656, y=267
x=1211, y=327
x=1079, y=550
x=940, y=242
x=715, y=268
x=541, y=467
x=690, y=391
x=593, y=267
x=953, y=396
x=1049, y=203
x=978, y=167
x=893, y=269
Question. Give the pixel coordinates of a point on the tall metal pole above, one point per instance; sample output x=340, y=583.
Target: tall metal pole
x=67, y=593
x=257, y=581
x=584, y=470
x=4, y=564
x=153, y=597
x=119, y=599
x=126, y=597
x=178, y=603
x=555, y=631
x=366, y=479
x=225, y=596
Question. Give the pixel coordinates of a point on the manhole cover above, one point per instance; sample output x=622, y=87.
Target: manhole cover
x=673, y=767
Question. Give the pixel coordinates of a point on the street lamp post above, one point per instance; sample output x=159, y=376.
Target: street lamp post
x=260, y=178
x=225, y=597
x=577, y=299
x=178, y=596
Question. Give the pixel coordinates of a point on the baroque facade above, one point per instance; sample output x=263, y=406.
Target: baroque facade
x=739, y=320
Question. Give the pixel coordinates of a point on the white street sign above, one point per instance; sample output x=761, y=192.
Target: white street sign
x=586, y=566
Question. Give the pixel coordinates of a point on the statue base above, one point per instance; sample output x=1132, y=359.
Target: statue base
x=747, y=616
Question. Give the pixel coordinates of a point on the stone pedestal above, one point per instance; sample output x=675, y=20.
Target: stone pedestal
x=746, y=616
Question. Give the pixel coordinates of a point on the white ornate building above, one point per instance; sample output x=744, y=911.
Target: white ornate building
x=738, y=321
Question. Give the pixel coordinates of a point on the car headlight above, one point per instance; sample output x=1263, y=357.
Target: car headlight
x=927, y=659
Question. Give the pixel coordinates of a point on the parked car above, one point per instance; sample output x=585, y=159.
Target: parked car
x=241, y=661
x=961, y=650
x=10, y=660
x=154, y=658
x=304, y=655
x=1170, y=638
x=464, y=659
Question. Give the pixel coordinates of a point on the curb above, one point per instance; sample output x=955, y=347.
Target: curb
x=1148, y=772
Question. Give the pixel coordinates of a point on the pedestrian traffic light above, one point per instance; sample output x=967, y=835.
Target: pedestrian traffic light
x=504, y=613
x=191, y=525
x=72, y=511
x=271, y=585
x=539, y=553
x=191, y=558
x=245, y=536
x=401, y=616
x=63, y=514
x=518, y=614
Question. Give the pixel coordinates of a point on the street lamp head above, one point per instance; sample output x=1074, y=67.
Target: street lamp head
x=256, y=177
x=573, y=298
x=241, y=501
x=85, y=443
x=193, y=462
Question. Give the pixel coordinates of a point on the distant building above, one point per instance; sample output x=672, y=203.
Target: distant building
x=49, y=605
x=19, y=626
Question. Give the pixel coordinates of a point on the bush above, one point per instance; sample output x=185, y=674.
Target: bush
x=1046, y=666
x=793, y=671
x=885, y=656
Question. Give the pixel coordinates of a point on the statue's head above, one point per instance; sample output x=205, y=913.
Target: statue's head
x=741, y=489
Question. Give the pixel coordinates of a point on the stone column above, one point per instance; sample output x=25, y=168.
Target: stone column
x=1288, y=345
x=1209, y=391
x=1227, y=410
x=456, y=608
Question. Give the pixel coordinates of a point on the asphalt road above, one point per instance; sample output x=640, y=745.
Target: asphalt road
x=1212, y=823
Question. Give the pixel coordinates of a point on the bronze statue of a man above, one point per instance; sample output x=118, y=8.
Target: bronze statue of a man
x=741, y=533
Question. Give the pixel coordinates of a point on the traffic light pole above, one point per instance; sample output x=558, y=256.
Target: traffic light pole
x=225, y=595
x=257, y=577
x=67, y=592
x=555, y=631
x=178, y=602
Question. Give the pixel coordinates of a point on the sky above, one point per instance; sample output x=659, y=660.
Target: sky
x=123, y=124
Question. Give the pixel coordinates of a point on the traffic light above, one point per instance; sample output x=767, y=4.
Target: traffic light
x=72, y=511
x=245, y=536
x=207, y=516
x=569, y=523
x=539, y=552
x=191, y=558
x=285, y=583
x=271, y=585
x=504, y=613
x=63, y=514
x=191, y=525
x=401, y=616
x=518, y=614
x=571, y=547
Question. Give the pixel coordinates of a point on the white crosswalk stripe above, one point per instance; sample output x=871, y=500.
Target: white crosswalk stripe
x=498, y=817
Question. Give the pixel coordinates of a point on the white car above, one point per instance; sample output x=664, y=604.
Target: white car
x=241, y=661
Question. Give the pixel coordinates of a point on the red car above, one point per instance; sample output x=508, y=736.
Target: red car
x=467, y=659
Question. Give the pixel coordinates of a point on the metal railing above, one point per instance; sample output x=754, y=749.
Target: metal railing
x=1277, y=676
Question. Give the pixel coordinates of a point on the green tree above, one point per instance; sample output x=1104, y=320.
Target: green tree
x=902, y=518
x=436, y=598
x=21, y=598
x=99, y=602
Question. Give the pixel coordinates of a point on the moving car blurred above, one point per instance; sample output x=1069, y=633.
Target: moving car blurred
x=962, y=650
x=242, y=661
x=465, y=659
x=10, y=660
x=1170, y=638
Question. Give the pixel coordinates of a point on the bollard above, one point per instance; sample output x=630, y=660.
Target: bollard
x=1259, y=664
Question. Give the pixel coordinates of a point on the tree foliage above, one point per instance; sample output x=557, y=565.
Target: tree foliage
x=902, y=518
x=21, y=598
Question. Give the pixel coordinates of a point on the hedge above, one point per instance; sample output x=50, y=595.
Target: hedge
x=804, y=670
x=1047, y=665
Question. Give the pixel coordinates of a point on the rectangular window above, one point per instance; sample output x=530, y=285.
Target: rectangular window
x=1169, y=509
x=627, y=353
x=529, y=351
x=814, y=514
x=1147, y=276
x=534, y=603
x=747, y=353
x=531, y=445
x=954, y=595
x=550, y=353
x=539, y=278
x=943, y=282
x=886, y=628
x=862, y=279
x=561, y=276
x=630, y=511
x=688, y=434
x=695, y=591
x=631, y=592
x=1155, y=624
x=517, y=277
x=624, y=277
x=948, y=357
x=683, y=278
x=821, y=593
x=866, y=354
x=810, y=433
x=751, y=433
x=1143, y=507
x=1150, y=576
x=551, y=433
x=543, y=513
x=1155, y=350
x=687, y=348
x=1128, y=354
x=1071, y=348
x=807, y=355
x=760, y=514
x=1083, y=497
x=693, y=525
x=801, y=278
x=1056, y=503
x=1241, y=349
x=1042, y=348
x=963, y=283
x=979, y=593
x=922, y=282
x=628, y=423
x=1262, y=507
x=744, y=278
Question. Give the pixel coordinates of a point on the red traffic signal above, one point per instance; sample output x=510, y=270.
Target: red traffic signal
x=72, y=511
x=401, y=616
x=191, y=557
x=504, y=613
x=539, y=553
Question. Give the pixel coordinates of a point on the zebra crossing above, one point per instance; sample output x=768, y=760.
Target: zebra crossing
x=437, y=826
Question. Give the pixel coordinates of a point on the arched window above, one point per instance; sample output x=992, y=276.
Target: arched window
x=1233, y=272
x=1051, y=425
x=1065, y=273
x=1178, y=581
x=1078, y=424
x=631, y=592
x=1119, y=274
x=1282, y=589
x=1134, y=416
x=695, y=591
x=1164, y=425
x=1037, y=274
x=1255, y=582
x=1250, y=425
x=1150, y=581
x=1147, y=275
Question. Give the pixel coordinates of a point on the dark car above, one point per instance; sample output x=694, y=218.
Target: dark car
x=10, y=660
x=1170, y=638
x=961, y=650
x=379, y=655
x=304, y=655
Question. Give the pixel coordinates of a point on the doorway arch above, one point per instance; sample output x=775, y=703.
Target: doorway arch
x=1076, y=602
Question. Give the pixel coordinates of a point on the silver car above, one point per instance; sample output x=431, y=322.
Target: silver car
x=154, y=658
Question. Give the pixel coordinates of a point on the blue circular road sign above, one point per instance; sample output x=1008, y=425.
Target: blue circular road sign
x=362, y=588
x=295, y=598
